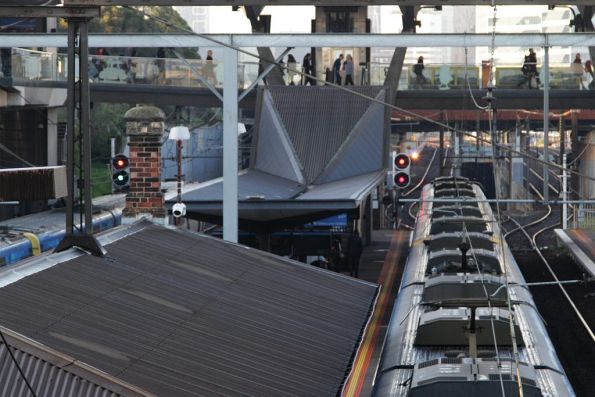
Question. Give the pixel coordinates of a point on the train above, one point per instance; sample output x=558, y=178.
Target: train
x=49, y=237
x=464, y=322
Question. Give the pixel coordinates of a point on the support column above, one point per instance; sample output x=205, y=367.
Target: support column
x=230, y=145
x=546, y=122
x=52, y=139
x=145, y=130
x=261, y=24
x=574, y=180
x=517, y=190
x=441, y=158
x=457, y=158
x=79, y=233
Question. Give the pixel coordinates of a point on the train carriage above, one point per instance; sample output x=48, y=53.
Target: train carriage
x=450, y=332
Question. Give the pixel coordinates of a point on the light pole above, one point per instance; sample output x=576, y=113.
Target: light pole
x=179, y=134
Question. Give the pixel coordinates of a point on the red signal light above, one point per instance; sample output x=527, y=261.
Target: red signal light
x=401, y=180
x=402, y=161
x=120, y=172
x=120, y=162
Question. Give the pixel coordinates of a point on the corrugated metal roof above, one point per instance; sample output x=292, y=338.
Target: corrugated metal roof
x=51, y=373
x=318, y=120
x=354, y=188
x=180, y=314
x=276, y=154
x=251, y=183
x=365, y=149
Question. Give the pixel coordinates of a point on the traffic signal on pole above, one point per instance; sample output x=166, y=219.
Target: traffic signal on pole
x=401, y=172
x=120, y=172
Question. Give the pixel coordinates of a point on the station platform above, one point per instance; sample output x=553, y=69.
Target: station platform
x=581, y=244
x=382, y=262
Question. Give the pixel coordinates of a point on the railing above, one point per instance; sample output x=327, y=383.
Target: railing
x=39, y=65
x=584, y=216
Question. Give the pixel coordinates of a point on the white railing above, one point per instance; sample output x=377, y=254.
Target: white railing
x=39, y=65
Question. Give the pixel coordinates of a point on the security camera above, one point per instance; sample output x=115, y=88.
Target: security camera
x=178, y=210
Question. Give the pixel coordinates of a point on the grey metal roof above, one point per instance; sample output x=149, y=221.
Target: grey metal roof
x=51, y=373
x=252, y=183
x=317, y=120
x=354, y=188
x=180, y=314
x=345, y=194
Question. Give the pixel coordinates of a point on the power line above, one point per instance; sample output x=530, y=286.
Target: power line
x=14, y=360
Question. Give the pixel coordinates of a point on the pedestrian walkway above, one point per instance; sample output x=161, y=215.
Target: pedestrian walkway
x=382, y=262
x=581, y=244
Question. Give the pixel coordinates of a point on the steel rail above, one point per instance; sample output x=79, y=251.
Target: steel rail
x=533, y=240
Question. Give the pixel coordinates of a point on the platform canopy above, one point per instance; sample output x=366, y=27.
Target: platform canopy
x=305, y=168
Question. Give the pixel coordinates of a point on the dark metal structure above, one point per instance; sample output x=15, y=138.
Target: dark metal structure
x=176, y=313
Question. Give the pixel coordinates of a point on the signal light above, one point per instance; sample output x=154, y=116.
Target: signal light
x=120, y=172
x=401, y=173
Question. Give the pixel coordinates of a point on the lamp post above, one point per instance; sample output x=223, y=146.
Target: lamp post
x=179, y=134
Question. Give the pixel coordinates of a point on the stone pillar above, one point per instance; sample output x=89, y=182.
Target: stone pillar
x=144, y=128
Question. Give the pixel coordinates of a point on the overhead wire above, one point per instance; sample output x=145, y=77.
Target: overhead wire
x=482, y=279
x=16, y=364
x=503, y=253
x=343, y=88
x=498, y=213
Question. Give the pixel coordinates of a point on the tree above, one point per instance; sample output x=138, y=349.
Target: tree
x=132, y=20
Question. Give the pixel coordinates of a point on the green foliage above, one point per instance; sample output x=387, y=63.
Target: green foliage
x=107, y=121
x=101, y=179
x=117, y=19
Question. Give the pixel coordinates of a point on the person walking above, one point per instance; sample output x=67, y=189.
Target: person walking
x=354, y=252
x=589, y=77
x=348, y=67
x=337, y=69
x=209, y=69
x=308, y=68
x=529, y=70
x=291, y=69
x=576, y=68
x=418, y=70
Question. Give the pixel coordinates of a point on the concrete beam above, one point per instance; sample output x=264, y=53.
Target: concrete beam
x=91, y=11
x=306, y=40
x=339, y=3
x=394, y=70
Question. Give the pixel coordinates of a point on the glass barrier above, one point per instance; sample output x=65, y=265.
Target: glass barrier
x=39, y=65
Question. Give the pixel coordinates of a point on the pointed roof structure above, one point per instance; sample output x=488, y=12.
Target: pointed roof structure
x=307, y=140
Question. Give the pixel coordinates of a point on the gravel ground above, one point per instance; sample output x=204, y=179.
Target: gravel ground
x=574, y=346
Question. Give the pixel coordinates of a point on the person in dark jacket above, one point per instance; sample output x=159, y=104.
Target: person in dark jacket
x=308, y=69
x=337, y=69
x=354, y=252
x=418, y=70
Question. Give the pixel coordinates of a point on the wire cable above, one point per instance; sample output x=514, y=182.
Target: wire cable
x=343, y=88
x=504, y=263
x=16, y=364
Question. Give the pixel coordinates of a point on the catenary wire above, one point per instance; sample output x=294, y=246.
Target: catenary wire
x=16, y=364
x=343, y=88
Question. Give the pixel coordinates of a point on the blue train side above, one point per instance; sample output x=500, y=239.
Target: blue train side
x=23, y=248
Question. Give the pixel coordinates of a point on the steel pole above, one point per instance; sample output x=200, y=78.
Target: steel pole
x=546, y=122
x=230, y=145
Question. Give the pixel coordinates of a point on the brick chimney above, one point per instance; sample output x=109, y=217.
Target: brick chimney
x=144, y=127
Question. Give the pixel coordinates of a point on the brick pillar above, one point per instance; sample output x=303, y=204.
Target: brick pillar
x=144, y=127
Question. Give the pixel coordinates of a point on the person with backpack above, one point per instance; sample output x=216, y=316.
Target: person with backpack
x=418, y=70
